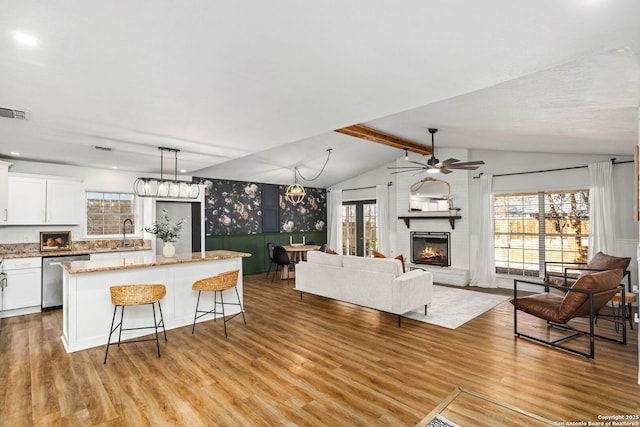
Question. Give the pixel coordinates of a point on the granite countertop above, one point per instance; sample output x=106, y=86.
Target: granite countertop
x=77, y=267
x=32, y=254
x=31, y=250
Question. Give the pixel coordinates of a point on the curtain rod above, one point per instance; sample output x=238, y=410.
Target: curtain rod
x=613, y=162
x=389, y=184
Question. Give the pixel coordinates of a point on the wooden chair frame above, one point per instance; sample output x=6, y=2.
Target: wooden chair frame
x=575, y=332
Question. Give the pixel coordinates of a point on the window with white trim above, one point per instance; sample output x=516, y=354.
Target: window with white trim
x=533, y=228
x=106, y=213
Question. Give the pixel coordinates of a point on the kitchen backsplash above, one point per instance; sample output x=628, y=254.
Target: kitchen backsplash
x=81, y=245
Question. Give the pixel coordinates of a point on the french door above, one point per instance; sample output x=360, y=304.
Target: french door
x=359, y=223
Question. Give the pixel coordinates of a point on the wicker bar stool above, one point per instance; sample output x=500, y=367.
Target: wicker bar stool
x=218, y=283
x=129, y=295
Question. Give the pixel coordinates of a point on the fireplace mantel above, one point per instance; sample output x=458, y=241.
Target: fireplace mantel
x=451, y=218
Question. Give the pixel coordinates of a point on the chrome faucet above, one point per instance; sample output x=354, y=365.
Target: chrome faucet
x=124, y=231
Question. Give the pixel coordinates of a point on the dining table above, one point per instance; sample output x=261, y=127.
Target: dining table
x=296, y=253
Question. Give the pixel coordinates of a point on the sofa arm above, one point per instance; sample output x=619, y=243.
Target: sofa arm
x=412, y=290
x=411, y=274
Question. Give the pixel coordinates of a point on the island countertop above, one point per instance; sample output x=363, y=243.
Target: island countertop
x=77, y=267
x=87, y=308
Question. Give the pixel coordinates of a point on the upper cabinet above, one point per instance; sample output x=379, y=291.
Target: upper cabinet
x=64, y=201
x=4, y=192
x=34, y=200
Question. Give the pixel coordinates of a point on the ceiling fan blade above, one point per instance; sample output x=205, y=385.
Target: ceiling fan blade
x=463, y=167
x=418, y=163
x=444, y=170
x=405, y=167
x=449, y=161
x=407, y=170
x=474, y=162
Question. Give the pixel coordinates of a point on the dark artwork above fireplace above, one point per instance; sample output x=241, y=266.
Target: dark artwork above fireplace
x=431, y=248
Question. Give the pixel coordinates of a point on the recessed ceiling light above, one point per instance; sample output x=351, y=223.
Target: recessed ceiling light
x=24, y=38
x=15, y=153
x=183, y=171
x=114, y=167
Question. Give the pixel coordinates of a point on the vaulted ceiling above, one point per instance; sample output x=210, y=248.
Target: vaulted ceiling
x=252, y=89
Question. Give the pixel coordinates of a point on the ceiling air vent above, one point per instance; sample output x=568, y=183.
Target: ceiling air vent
x=12, y=113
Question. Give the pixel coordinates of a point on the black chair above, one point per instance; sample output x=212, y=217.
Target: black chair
x=270, y=247
x=324, y=248
x=281, y=258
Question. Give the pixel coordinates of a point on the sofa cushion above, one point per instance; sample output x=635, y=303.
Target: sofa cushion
x=318, y=257
x=380, y=265
x=400, y=258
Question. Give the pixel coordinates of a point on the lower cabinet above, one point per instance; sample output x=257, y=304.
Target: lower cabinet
x=22, y=293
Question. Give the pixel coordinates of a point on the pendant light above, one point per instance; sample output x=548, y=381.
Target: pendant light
x=166, y=188
x=295, y=192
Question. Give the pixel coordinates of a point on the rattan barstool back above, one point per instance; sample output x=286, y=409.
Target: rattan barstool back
x=220, y=282
x=137, y=294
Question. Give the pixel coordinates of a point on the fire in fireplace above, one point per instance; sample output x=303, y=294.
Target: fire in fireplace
x=431, y=248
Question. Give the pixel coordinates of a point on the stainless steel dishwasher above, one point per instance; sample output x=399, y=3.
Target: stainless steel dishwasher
x=52, y=278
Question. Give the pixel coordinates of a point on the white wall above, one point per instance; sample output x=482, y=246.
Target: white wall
x=466, y=191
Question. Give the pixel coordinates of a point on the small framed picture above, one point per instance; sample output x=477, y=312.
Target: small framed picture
x=55, y=241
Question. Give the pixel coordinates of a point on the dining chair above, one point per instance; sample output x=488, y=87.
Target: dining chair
x=270, y=247
x=281, y=259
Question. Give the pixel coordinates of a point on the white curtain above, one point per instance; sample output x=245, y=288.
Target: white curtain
x=484, y=274
x=601, y=210
x=382, y=232
x=334, y=220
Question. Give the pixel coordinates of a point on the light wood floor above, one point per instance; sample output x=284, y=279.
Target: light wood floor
x=312, y=362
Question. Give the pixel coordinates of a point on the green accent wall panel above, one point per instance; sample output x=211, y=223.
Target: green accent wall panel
x=256, y=245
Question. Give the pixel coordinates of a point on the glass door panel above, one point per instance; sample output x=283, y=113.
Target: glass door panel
x=359, y=223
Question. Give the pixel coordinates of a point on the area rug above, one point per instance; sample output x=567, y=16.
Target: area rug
x=453, y=307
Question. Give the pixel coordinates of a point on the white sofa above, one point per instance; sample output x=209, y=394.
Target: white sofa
x=377, y=283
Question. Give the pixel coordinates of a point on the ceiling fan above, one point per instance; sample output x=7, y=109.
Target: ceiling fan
x=434, y=165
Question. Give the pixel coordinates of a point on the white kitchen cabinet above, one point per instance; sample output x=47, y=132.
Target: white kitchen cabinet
x=27, y=200
x=34, y=200
x=22, y=293
x=4, y=192
x=64, y=201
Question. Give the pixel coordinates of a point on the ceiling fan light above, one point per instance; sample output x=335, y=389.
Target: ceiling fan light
x=433, y=170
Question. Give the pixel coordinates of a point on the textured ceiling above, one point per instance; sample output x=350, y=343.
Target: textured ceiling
x=260, y=86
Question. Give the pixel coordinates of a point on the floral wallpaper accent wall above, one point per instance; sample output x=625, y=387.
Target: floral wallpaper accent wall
x=235, y=207
x=309, y=215
x=231, y=207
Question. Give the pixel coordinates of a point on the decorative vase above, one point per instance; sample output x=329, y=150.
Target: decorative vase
x=168, y=250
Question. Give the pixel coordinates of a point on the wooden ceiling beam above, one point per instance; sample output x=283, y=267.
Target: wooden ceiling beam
x=373, y=135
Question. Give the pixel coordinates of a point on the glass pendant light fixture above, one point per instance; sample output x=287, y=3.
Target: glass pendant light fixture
x=166, y=188
x=295, y=192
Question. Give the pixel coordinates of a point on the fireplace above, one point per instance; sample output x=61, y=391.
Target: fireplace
x=430, y=248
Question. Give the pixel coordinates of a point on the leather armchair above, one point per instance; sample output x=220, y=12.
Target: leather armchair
x=584, y=298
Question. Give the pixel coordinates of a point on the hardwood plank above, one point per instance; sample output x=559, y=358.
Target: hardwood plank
x=309, y=362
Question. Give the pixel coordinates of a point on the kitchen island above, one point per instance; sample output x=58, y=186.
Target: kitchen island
x=87, y=310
